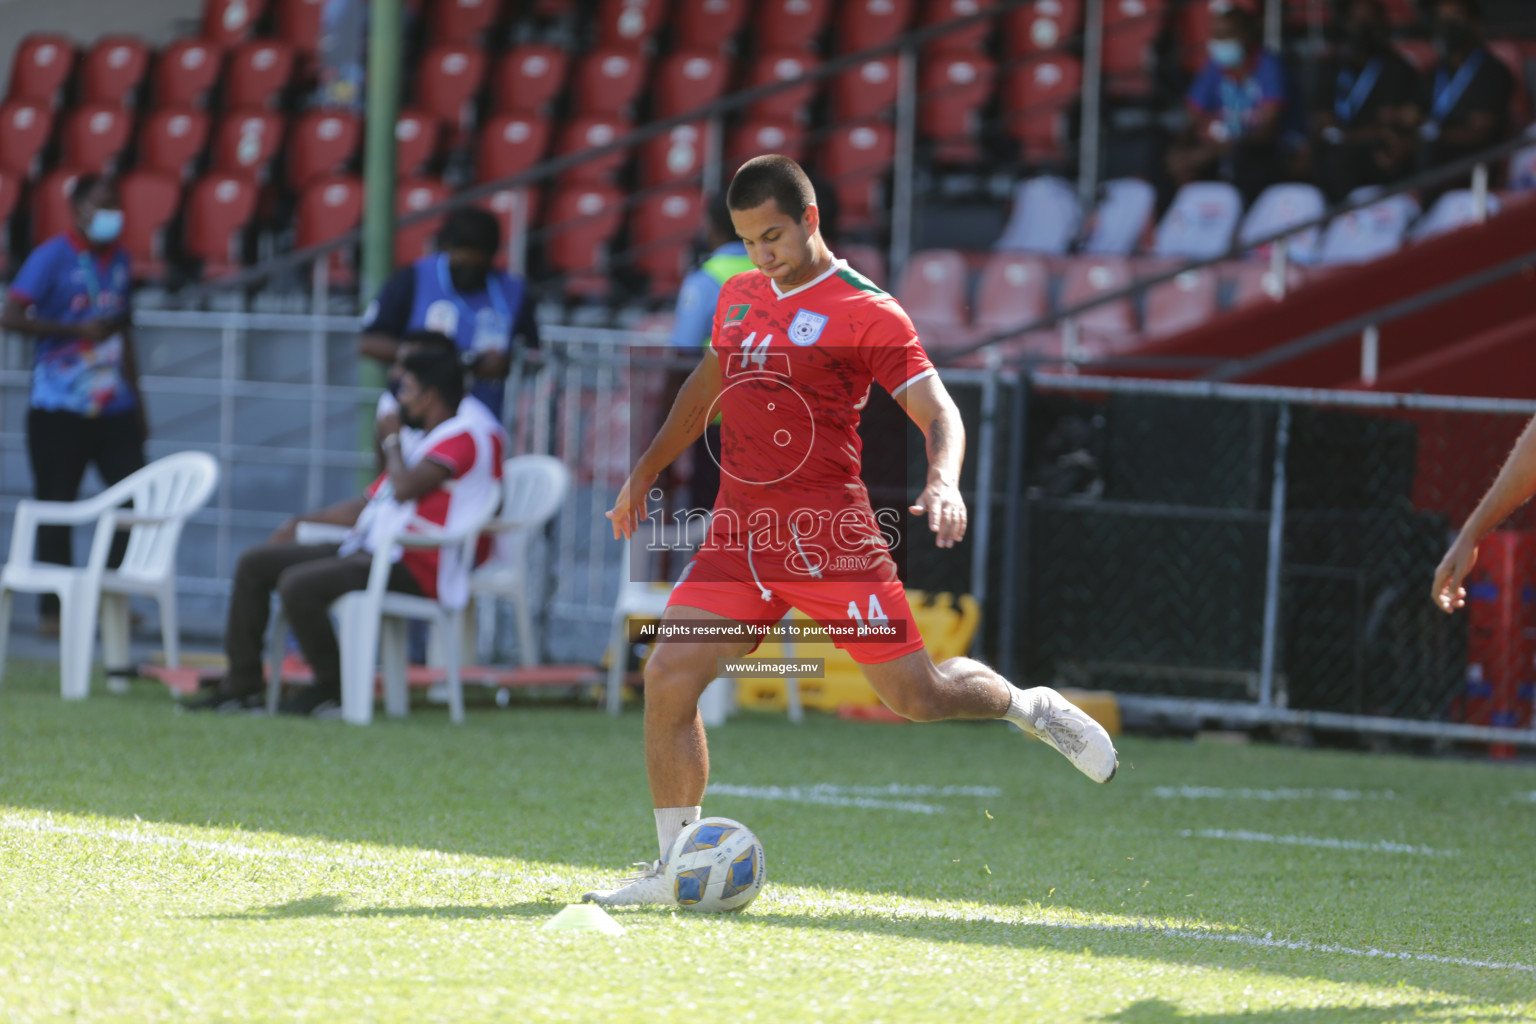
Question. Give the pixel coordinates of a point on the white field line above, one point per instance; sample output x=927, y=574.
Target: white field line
x=1218, y=793
x=868, y=797
x=1380, y=846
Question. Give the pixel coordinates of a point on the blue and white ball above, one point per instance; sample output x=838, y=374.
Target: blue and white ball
x=716, y=866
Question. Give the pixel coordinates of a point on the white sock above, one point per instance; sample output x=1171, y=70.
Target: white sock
x=672, y=820
x=1024, y=707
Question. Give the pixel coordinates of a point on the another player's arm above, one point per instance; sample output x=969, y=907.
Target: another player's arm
x=684, y=425
x=928, y=404
x=1514, y=485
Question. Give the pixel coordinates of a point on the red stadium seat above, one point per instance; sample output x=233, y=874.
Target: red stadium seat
x=257, y=74
x=608, y=81
x=585, y=133
x=322, y=142
x=687, y=80
x=1192, y=27
x=329, y=207
x=528, y=78
x=52, y=213
x=1015, y=289
x=1187, y=301
x=1088, y=277
x=1131, y=31
x=866, y=90
x=953, y=88
x=1035, y=96
x=933, y=289
x=854, y=158
x=413, y=241
x=789, y=104
x=417, y=134
x=228, y=22
x=150, y=201
x=113, y=69
x=298, y=23
x=510, y=144
x=707, y=24
x=447, y=80
x=10, y=192
x=94, y=136
x=629, y=24
x=866, y=259
x=943, y=12
x=1512, y=55
x=789, y=24
x=754, y=138
x=517, y=209
x=247, y=141
x=675, y=156
x=185, y=72
x=462, y=21
x=862, y=24
x=24, y=129
x=581, y=221
x=1045, y=26
x=171, y=138
x=661, y=233
x=219, y=207
x=42, y=64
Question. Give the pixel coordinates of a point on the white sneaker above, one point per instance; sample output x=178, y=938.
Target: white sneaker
x=647, y=889
x=1075, y=735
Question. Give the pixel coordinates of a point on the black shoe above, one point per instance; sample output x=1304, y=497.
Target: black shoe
x=222, y=703
x=315, y=703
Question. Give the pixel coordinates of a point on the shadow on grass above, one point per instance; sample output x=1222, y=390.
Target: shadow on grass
x=1157, y=1011
x=334, y=906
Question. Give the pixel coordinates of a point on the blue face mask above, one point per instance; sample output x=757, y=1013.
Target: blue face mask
x=1227, y=53
x=105, y=226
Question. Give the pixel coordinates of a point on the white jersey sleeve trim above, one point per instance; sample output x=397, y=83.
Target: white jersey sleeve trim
x=913, y=380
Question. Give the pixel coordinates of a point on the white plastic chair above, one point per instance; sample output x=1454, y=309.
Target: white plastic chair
x=1046, y=217
x=164, y=494
x=533, y=490
x=1121, y=217
x=1200, y=223
x=1282, y=206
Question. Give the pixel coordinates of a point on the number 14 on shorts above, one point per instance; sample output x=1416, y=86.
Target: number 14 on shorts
x=875, y=615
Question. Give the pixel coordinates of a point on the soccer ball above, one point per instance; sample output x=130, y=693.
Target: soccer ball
x=715, y=866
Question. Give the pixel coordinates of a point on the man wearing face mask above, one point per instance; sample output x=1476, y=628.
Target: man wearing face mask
x=1363, y=134
x=1244, y=122
x=1466, y=96
x=72, y=295
x=458, y=293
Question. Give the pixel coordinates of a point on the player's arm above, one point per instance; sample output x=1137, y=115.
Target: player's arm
x=684, y=425
x=928, y=404
x=1514, y=485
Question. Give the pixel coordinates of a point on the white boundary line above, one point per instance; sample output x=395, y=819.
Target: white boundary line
x=1219, y=793
x=867, y=797
x=1380, y=846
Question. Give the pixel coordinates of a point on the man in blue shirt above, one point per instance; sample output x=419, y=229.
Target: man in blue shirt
x=457, y=292
x=72, y=294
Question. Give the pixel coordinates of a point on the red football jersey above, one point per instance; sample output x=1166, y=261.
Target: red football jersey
x=797, y=367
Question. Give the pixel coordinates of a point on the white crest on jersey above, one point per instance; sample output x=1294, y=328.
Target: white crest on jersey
x=806, y=327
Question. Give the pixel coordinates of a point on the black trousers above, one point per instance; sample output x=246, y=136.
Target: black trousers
x=60, y=445
x=308, y=577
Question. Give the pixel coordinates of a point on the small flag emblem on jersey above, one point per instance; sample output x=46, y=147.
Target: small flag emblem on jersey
x=734, y=314
x=806, y=327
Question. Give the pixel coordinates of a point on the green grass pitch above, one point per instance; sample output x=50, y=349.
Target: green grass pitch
x=163, y=867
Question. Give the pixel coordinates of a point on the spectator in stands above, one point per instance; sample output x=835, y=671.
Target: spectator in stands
x=457, y=292
x=1245, y=126
x=72, y=294
x=1466, y=98
x=453, y=469
x=387, y=419
x=1363, y=132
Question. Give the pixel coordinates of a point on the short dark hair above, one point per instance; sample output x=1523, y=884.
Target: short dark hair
x=1472, y=8
x=436, y=370
x=470, y=227
x=84, y=185
x=432, y=341
x=717, y=216
x=772, y=176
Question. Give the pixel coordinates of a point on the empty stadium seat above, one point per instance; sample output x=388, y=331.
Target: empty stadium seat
x=1522, y=169
x=1187, y=301
x=1368, y=233
x=756, y=137
x=219, y=208
x=608, y=81
x=707, y=24
x=585, y=133
x=322, y=142
x=10, y=192
x=40, y=67
x=1200, y=223
x=934, y=289
x=24, y=129
x=661, y=233
x=49, y=202
x=228, y=22
x=1278, y=208
x=1088, y=277
x=783, y=66
x=417, y=134
x=674, y=156
x=1131, y=31
x=1043, y=27
x=245, y=142
x=1454, y=209
x=942, y=12
x=298, y=23
x=789, y=24
x=953, y=88
x=413, y=241
x=1192, y=28
x=1046, y=217
x=854, y=159
x=582, y=219
x=1121, y=218
x=185, y=72
x=517, y=209
x=112, y=70
x=528, y=78
x=686, y=80
x=1512, y=54
x=329, y=207
x=628, y=24
x=94, y=136
x=1036, y=94
x=866, y=259
x=256, y=74
x=150, y=201
x=447, y=80
x=510, y=144
x=862, y=24
x=171, y=138
x=1014, y=290
x=461, y=21
x=866, y=90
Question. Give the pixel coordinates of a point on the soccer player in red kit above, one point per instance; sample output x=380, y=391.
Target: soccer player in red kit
x=796, y=346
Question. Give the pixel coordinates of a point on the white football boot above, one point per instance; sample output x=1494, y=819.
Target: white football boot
x=1063, y=725
x=649, y=888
